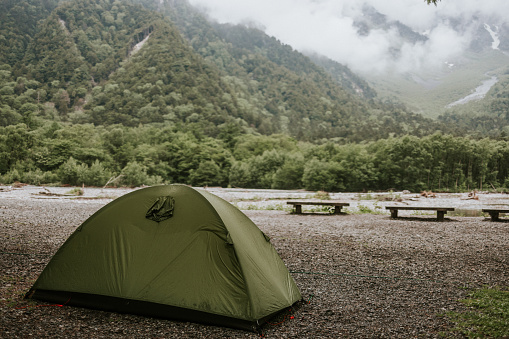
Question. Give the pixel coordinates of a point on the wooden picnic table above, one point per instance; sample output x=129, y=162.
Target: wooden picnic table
x=441, y=211
x=495, y=212
x=337, y=204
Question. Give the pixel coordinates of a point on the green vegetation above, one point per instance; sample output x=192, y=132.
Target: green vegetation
x=209, y=105
x=429, y=93
x=321, y=195
x=319, y=209
x=488, y=316
x=379, y=197
x=487, y=117
x=133, y=156
x=362, y=209
x=79, y=65
x=269, y=207
x=76, y=191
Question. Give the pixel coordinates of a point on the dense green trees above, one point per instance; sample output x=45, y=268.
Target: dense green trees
x=19, y=20
x=78, y=63
x=279, y=90
x=85, y=154
x=209, y=104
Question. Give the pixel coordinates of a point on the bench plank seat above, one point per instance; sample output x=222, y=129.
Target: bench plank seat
x=495, y=212
x=441, y=211
x=337, y=204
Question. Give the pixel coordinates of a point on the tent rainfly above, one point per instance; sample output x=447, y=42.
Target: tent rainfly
x=171, y=252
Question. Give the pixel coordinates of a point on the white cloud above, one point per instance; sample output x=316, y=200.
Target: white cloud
x=442, y=44
x=326, y=26
x=498, y=8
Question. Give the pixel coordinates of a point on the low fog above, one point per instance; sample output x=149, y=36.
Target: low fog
x=327, y=27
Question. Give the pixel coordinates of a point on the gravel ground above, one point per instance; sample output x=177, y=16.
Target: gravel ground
x=362, y=275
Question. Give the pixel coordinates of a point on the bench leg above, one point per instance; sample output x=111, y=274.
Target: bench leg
x=494, y=216
x=394, y=213
x=337, y=209
x=440, y=215
x=298, y=209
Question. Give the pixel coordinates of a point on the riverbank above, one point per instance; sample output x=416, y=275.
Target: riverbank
x=364, y=275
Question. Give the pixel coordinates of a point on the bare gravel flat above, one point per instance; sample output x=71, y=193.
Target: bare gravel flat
x=362, y=275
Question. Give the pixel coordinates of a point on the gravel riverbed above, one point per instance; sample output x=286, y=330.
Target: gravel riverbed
x=362, y=275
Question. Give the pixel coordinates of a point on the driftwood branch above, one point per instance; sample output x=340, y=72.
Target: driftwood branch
x=113, y=179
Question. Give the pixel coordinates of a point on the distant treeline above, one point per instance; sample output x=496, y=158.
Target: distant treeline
x=55, y=153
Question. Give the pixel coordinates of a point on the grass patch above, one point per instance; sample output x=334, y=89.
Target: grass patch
x=99, y=197
x=391, y=196
x=419, y=212
x=75, y=191
x=366, y=196
x=467, y=213
x=322, y=195
x=363, y=209
x=315, y=209
x=325, y=209
x=268, y=207
x=488, y=315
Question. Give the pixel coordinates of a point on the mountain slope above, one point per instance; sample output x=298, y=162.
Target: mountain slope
x=164, y=81
x=109, y=62
x=437, y=83
x=18, y=23
x=344, y=76
x=284, y=91
x=81, y=43
x=488, y=116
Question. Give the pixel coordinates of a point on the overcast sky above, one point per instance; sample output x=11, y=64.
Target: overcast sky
x=325, y=26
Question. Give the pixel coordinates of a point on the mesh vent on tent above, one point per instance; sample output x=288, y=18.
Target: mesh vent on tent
x=162, y=209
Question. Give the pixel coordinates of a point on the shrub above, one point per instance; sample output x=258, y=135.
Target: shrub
x=135, y=174
x=240, y=175
x=289, y=176
x=487, y=317
x=70, y=172
x=38, y=177
x=208, y=173
x=10, y=177
x=95, y=175
x=322, y=195
x=321, y=176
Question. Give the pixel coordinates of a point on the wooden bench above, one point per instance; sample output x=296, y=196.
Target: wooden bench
x=495, y=212
x=337, y=204
x=441, y=211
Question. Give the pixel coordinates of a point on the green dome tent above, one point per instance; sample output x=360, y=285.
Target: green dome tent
x=171, y=252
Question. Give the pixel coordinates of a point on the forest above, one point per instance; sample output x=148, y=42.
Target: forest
x=117, y=155
x=82, y=102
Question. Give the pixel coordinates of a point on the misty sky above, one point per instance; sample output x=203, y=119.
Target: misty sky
x=325, y=26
